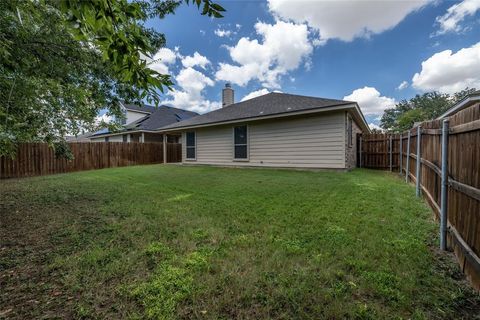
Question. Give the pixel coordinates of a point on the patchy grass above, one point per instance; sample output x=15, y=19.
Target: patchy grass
x=167, y=242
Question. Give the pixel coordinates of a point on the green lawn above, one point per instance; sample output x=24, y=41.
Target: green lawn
x=173, y=242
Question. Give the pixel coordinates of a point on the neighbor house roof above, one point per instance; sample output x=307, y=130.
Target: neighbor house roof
x=144, y=108
x=159, y=117
x=267, y=106
x=466, y=102
x=79, y=138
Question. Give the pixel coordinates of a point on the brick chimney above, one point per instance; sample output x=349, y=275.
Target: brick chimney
x=227, y=95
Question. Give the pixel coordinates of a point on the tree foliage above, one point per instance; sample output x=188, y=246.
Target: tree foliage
x=61, y=62
x=423, y=107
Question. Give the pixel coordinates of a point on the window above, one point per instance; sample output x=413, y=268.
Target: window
x=124, y=138
x=106, y=139
x=349, y=131
x=191, y=145
x=240, y=143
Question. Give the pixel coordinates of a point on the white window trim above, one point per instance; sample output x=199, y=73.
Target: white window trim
x=195, y=145
x=247, y=159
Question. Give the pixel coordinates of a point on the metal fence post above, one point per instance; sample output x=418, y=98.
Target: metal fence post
x=419, y=159
x=407, y=165
x=164, y=147
x=400, y=159
x=360, y=151
x=391, y=158
x=444, y=192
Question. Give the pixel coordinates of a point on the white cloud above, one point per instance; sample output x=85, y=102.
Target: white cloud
x=370, y=101
x=255, y=94
x=374, y=126
x=196, y=60
x=190, y=95
x=346, y=19
x=450, y=72
x=450, y=21
x=267, y=60
x=402, y=85
x=161, y=60
x=238, y=26
x=222, y=33
x=103, y=118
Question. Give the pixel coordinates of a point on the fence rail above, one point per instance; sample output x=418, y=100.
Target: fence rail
x=34, y=159
x=417, y=154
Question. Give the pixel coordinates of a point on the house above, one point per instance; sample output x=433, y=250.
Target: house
x=141, y=124
x=467, y=101
x=273, y=130
x=84, y=137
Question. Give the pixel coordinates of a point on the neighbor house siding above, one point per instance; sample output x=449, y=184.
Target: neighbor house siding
x=316, y=141
x=132, y=116
x=117, y=138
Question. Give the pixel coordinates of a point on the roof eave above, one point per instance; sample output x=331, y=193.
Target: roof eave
x=108, y=134
x=347, y=106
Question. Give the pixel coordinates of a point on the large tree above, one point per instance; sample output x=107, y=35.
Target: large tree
x=62, y=61
x=423, y=107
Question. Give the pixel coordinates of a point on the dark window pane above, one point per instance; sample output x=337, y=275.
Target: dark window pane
x=124, y=138
x=190, y=153
x=241, y=135
x=240, y=152
x=191, y=139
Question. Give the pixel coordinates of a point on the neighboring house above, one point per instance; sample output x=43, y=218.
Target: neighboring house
x=84, y=137
x=141, y=123
x=273, y=130
x=467, y=101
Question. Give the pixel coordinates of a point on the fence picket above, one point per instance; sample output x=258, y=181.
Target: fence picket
x=34, y=159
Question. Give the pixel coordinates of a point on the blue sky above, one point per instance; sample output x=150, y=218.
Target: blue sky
x=360, y=50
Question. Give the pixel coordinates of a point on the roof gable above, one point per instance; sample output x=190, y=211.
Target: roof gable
x=161, y=116
x=158, y=117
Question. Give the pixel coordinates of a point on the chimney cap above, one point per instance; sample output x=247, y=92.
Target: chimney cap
x=228, y=85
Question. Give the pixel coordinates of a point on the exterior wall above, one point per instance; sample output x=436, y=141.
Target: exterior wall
x=315, y=141
x=152, y=137
x=351, y=150
x=134, y=137
x=100, y=139
x=133, y=116
x=116, y=138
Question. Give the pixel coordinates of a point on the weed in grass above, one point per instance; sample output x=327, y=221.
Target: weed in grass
x=364, y=312
x=384, y=284
x=171, y=283
x=157, y=252
x=161, y=294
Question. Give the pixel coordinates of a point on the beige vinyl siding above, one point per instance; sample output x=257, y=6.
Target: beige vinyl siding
x=115, y=138
x=132, y=116
x=316, y=141
x=102, y=139
x=213, y=145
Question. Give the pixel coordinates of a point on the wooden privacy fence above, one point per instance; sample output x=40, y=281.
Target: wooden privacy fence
x=450, y=184
x=34, y=159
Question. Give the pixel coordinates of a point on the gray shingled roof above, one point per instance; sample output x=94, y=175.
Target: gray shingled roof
x=270, y=104
x=159, y=117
